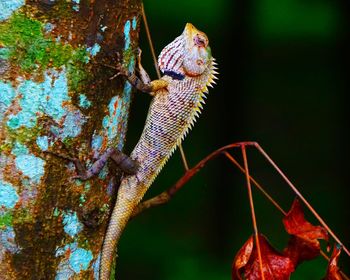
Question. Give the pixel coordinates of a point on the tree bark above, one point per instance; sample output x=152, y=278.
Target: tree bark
x=56, y=95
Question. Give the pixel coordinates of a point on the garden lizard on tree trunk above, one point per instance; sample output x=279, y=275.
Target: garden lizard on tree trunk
x=188, y=68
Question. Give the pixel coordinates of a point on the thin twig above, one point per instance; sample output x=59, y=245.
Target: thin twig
x=150, y=42
x=296, y=191
x=183, y=158
x=265, y=193
x=251, y=203
x=149, y=38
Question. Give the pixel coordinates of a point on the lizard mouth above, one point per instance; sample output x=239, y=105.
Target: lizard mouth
x=199, y=38
x=200, y=41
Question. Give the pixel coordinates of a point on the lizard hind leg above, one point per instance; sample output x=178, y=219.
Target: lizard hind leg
x=124, y=162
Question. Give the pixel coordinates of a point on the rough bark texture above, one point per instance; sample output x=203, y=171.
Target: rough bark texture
x=56, y=95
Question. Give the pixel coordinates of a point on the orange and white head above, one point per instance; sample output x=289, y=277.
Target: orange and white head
x=188, y=55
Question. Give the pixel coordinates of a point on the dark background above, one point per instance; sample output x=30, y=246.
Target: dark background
x=283, y=83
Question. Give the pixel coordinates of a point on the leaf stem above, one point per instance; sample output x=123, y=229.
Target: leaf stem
x=251, y=203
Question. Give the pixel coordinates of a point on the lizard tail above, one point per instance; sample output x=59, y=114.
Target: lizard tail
x=127, y=199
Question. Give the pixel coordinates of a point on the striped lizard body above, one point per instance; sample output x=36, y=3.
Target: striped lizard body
x=188, y=69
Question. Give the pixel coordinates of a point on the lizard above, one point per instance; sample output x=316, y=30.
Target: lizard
x=188, y=69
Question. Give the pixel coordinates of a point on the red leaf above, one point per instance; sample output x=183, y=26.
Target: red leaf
x=333, y=271
x=303, y=244
x=242, y=258
x=274, y=264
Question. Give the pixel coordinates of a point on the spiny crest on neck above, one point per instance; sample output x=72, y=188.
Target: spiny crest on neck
x=208, y=78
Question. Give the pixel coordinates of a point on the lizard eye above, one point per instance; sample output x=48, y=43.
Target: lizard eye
x=200, y=41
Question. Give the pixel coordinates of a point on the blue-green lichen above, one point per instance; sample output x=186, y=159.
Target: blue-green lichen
x=127, y=38
x=19, y=149
x=4, y=53
x=7, y=94
x=134, y=23
x=96, y=267
x=94, y=49
x=80, y=259
x=7, y=7
x=84, y=102
x=76, y=5
x=43, y=142
x=46, y=98
x=8, y=195
x=31, y=166
x=76, y=261
x=71, y=224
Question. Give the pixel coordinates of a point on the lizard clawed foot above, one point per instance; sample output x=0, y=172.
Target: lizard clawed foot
x=79, y=167
x=79, y=177
x=121, y=72
x=121, y=69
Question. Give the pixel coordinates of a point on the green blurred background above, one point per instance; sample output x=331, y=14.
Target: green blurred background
x=283, y=70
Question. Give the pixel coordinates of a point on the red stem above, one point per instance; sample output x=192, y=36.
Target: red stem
x=251, y=203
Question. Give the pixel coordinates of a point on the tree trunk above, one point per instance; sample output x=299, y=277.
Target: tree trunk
x=56, y=95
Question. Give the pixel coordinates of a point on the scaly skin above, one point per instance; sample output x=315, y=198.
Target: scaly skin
x=189, y=68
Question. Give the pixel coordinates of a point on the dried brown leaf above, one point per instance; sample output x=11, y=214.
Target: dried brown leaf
x=303, y=244
x=275, y=265
x=333, y=271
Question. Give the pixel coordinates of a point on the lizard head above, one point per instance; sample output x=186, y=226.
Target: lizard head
x=189, y=54
x=197, y=53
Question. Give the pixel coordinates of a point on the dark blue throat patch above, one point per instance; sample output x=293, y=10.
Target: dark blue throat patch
x=174, y=75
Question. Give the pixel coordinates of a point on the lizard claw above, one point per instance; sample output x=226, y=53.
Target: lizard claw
x=138, y=52
x=77, y=177
x=121, y=71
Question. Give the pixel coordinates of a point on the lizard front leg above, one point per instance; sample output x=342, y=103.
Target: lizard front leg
x=143, y=83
